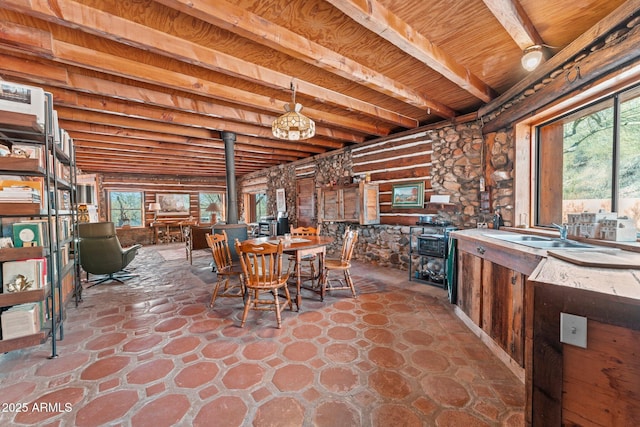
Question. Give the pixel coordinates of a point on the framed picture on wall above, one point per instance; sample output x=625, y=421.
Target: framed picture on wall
x=173, y=204
x=410, y=195
x=281, y=201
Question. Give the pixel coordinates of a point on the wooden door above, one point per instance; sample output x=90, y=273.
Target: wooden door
x=305, y=203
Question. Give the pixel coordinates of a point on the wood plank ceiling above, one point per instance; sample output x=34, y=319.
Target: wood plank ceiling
x=147, y=87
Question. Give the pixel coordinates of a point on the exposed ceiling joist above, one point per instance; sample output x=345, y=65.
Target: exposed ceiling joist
x=246, y=24
x=515, y=21
x=377, y=18
x=137, y=84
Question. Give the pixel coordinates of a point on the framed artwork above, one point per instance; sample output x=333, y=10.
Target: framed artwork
x=173, y=204
x=281, y=201
x=410, y=195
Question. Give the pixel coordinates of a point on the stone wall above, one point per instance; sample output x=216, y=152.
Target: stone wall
x=457, y=166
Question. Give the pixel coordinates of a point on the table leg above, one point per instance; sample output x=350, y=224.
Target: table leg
x=298, y=281
x=321, y=273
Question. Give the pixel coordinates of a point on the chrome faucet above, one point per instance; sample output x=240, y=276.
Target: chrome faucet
x=563, y=230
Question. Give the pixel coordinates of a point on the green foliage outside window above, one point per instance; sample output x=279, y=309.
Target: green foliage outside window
x=261, y=205
x=601, y=157
x=125, y=208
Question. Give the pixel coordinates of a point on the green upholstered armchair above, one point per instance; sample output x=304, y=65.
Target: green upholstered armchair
x=101, y=253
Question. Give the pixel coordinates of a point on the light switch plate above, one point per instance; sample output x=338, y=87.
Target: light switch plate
x=573, y=330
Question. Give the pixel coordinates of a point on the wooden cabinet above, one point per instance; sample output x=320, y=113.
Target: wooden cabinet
x=491, y=282
x=350, y=203
x=594, y=386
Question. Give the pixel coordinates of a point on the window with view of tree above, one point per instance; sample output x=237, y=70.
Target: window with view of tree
x=256, y=206
x=207, y=202
x=125, y=208
x=589, y=160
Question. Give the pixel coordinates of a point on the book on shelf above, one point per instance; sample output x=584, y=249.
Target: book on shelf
x=43, y=228
x=21, y=190
x=23, y=99
x=29, y=151
x=20, y=320
x=25, y=275
x=64, y=255
x=30, y=233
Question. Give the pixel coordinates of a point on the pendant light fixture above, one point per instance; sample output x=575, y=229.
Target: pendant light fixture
x=292, y=125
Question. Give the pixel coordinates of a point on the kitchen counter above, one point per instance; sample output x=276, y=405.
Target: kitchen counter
x=512, y=297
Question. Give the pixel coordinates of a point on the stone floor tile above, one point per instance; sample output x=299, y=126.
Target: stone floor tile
x=104, y=367
x=394, y=415
x=143, y=343
x=293, y=377
x=300, y=351
x=243, y=376
x=259, y=350
x=181, y=345
x=429, y=360
x=389, y=384
x=397, y=351
x=170, y=324
x=225, y=411
x=106, y=408
x=342, y=333
x=62, y=364
x=336, y=414
x=445, y=391
x=195, y=375
x=459, y=418
x=280, y=411
x=338, y=379
x=341, y=353
x=50, y=405
x=386, y=357
x=165, y=411
x=150, y=371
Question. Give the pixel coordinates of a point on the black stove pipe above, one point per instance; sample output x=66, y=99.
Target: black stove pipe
x=229, y=139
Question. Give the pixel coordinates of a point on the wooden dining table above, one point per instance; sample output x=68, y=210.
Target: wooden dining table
x=301, y=247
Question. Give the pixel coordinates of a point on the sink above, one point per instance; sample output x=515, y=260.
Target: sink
x=517, y=238
x=558, y=244
x=540, y=242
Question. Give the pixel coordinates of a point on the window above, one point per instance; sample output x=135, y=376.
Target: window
x=209, y=201
x=256, y=206
x=125, y=208
x=589, y=160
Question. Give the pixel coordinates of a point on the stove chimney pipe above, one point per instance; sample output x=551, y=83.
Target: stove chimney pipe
x=229, y=139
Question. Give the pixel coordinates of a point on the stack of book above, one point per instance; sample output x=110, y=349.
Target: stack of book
x=20, y=320
x=24, y=275
x=19, y=195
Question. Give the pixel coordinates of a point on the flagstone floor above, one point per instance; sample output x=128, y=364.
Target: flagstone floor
x=151, y=353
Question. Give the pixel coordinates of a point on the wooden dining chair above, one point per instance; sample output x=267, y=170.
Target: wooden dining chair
x=229, y=281
x=342, y=264
x=263, y=274
x=312, y=273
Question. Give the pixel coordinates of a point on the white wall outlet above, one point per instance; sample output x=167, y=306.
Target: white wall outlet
x=573, y=330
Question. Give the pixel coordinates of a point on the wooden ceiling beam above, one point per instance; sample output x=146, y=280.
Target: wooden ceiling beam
x=22, y=37
x=128, y=68
x=118, y=156
x=377, y=18
x=101, y=129
x=136, y=168
x=62, y=83
x=78, y=16
x=129, y=122
x=515, y=21
x=255, y=28
x=101, y=105
x=192, y=146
